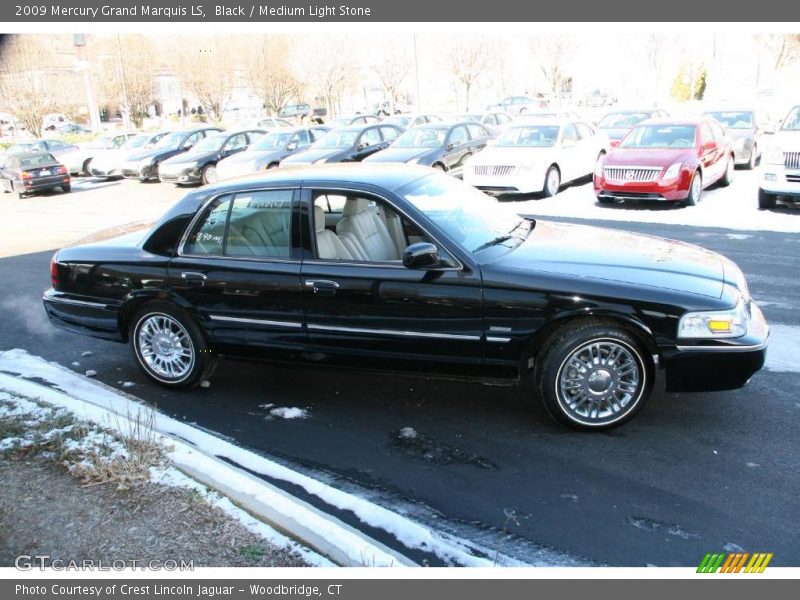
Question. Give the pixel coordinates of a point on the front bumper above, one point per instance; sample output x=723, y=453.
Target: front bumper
x=88, y=316
x=134, y=171
x=776, y=179
x=656, y=190
x=105, y=171
x=716, y=365
x=513, y=183
x=179, y=174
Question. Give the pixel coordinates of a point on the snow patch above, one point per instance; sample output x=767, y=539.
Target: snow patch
x=87, y=353
x=289, y=412
x=408, y=433
x=91, y=373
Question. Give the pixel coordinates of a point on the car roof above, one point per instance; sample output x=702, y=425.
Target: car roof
x=674, y=121
x=384, y=175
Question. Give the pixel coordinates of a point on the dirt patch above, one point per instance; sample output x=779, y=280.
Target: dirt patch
x=44, y=510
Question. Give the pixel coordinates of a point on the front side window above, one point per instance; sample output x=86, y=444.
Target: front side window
x=237, y=142
x=458, y=135
x=584, y=131
x=370, y=137
x=476, y=131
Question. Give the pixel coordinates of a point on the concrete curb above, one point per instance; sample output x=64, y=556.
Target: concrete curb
x=310, y=526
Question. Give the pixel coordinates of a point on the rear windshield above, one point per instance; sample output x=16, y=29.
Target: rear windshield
x=38, y=160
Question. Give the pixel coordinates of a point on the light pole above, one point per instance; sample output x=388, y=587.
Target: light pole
x=416, y=73
x=81, y=64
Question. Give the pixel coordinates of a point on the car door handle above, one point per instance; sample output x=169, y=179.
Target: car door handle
x=194, y=279
x=323, y=287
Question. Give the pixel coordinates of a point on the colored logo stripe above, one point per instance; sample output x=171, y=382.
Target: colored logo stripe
x=734, y=562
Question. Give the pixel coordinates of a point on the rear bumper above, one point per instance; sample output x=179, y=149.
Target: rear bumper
x=42, y=184
x=91, y=317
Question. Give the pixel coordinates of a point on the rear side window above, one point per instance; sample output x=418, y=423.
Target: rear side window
x=476, y=131
x=208, y=236
x=251, y=224
x=389, y=133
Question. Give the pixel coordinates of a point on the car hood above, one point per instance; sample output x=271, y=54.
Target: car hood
x=617, y=256
x=399, y=154
x=788, y=141
x=512, y=155
x=648, y=157
x=314, y=154
x=150, y=153
x=191, y=157
x=255, y=156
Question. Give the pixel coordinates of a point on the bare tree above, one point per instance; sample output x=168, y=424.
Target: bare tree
x=326, y=68
x=554, y=53
x=781, y=49
x=209, y=68
x=656, y=50
x=267, y=69
x=392, y=69
x=468, y=60
x=25, y=89
x=125, y=70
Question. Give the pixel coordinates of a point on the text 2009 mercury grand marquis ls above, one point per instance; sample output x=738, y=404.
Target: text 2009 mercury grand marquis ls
x=404, y=267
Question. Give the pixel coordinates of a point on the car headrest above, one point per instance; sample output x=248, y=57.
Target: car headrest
x=319, y=218
x=353, y=206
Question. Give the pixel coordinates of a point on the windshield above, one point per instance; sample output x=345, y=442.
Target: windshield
x=137, y=141
x=622, y=120
x=210, y=143
x=421, y=138
x=734, y=119
x=272, y=141
x=660, y=136
x=342, y=138
x=470, y=218
x=170, y=140
x=792, y=120
x=399, y=121
x=530, y=136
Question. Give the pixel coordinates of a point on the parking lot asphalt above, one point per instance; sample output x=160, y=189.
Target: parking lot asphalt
x=691, y=474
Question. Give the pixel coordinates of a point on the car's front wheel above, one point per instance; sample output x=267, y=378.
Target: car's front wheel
x=169, y=347
x=209, y=174
x=552, y=181
x=695, y=189
x=593, y=376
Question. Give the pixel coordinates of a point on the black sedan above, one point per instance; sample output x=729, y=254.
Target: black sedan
x=199, y=165
x=443, y=146
x=403, y=267
x=269, y=151
x=145, y=165
x=347, y=144
x=28, y=173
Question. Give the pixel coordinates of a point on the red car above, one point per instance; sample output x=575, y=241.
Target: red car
x=665, y=160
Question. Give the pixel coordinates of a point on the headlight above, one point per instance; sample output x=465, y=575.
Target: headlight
x=673, y=171
x=715, y=324
x=773, y=156
x=598, y=167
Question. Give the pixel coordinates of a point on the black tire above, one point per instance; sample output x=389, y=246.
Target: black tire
x=209, y=174
x=87, y=167
x=601, y=200
x=66, y=188
x=198, y=367
x=439, y=167
x=751, y=164
x=550, y=190
x=727, y=178
x=766, y=200
x=694, y=191
x=557, y=381
x=272, y=165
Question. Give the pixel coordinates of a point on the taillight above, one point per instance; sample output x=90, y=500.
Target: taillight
x=62, y=170
x=54, y=272
x=27, y=175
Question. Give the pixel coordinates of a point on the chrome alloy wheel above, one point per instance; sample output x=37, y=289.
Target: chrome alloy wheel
x=697, y=186
x=553, y=182
x=211, y=174
x=164, y=347
x=600, y=381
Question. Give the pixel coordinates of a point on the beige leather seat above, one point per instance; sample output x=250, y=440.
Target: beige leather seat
x=328, y=243
x=364, y=233
x=265, y=232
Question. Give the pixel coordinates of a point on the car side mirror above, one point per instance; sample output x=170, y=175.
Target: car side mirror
x=450, y=146
x=292, y=146
x=614, y=143
x=187, y=146
x=421, y=255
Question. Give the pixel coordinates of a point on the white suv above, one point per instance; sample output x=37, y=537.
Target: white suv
x=780, y=164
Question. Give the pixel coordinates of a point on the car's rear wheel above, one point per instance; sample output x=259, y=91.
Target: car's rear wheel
x=66, y=188
x=695, y=189
x=87, y=167
x=593, y=376
x=169, y=347
x=766, y=200
x=727, y=178
x=552, y=181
